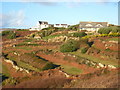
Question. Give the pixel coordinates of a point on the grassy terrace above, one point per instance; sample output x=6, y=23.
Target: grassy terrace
x=25, y=65
x=51, y=36
x=113, y=39
x=71, y=70
x=5, y=70
x=24, y=47
x=92, y=58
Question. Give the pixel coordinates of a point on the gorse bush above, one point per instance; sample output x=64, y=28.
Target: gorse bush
x=79, y=34
x=9, y=34
x=84, y=50
x=49, y=65
x=5, y=33
x=69, y=46
x=107, y=30
x=73, y=27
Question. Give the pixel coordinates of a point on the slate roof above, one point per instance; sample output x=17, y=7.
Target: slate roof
x=93, y=24
x=43, y=22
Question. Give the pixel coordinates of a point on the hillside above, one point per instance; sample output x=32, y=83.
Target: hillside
x=59, y=58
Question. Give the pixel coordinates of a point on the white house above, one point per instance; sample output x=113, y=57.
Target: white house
x=61, y=25
x=40, y=25
x=92, y=26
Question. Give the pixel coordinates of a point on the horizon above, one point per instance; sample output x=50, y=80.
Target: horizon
x=27, y=14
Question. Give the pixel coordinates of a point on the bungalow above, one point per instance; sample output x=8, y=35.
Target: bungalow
x=40, y=25
x=61, y=25
x=92, y=26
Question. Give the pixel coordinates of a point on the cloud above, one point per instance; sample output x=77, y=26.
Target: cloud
x=12, y=19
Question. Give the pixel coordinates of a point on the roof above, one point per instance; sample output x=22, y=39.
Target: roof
x=93, y=24
x=43, y=22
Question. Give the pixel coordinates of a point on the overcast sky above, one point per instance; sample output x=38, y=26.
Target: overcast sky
x=26, y=14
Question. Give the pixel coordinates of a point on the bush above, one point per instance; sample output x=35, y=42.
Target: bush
x=10, y=81
x=73, y=27
x=79, y=34
x=49, y=65
x=107, y=30
x=84, y=50
x=11, y=35
x=69, y=46
x=5, y=33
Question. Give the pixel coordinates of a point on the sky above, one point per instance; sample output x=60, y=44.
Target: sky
x=27, y=14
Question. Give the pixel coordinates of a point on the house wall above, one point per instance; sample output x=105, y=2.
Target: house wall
x=43, y=26
x=39, y=27
x=65, y=26
x=90, y=29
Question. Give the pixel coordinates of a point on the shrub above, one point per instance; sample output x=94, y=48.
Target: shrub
x=10, y=81
x=10, y=34
x=73, y=27
x=79, y=34
x=49, y=65
x=5, y=33
x=84, y=50
x=107, y=30
x=69, y=46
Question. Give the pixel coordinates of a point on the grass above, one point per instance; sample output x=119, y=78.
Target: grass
x=28, y=66
x=112, y=39
x=5, y=71
x=25, y=65
x=98, y=60
x=71, y=70
x=52, y=36
x=24, y=47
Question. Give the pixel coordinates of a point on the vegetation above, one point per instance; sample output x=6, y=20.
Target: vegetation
x=71, y=69
x=22, y=29
x=73, y=27
x=49, y=65
x=69, y=46
x=84, y=50
x=79, y=34
x=9, y=34
x=10, y=81
x=98, y=60
x=107, y=30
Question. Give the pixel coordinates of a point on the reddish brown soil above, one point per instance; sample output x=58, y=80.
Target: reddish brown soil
x=103, y=81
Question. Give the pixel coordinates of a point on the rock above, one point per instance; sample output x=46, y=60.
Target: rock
x=111, y=66
x=101, y=65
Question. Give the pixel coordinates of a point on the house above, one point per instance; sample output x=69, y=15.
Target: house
x=92, y=26
x=40, y=25
x=61, y=25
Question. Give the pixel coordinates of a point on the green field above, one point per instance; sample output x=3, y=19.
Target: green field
x=5, y=70
x=52, y=36
x=113, y=39
x=24, y=48
x=71, y=70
